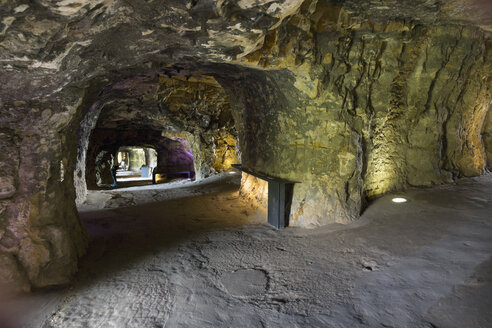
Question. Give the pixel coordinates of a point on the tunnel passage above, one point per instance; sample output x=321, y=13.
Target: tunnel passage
x=346, y=97
x=128, y=160
x=172, y=155
x=280, y=130
x=174, y=162
x=133, y=158
x=188, y=121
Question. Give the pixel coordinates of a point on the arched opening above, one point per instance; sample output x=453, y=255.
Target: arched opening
x=130, y=165
x=353, y=99
x=187, y=120
x=136, y=161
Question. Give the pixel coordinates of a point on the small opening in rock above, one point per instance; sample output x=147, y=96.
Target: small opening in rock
x=135, y=164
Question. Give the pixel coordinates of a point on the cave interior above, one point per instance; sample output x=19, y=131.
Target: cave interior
x=122, y=124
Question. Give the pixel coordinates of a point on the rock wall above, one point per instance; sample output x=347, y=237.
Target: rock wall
x=195, y=109
x=353, y=99
x=136, y=158
x=255, y=190
x=105, y=142
x=102, y=168
x=177, y=157
x=372, y=107
x=41, y=237
x=487, y=138
x=202, y=111
x=283, y=134
x=150, y=157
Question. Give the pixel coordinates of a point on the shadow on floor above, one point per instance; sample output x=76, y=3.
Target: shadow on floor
x=122, y=236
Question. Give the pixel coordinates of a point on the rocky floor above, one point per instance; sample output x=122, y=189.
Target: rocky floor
x=197, y=255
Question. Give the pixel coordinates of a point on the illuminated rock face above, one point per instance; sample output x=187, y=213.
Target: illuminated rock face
x=350, y=98
x=173, y=155
x=149, y=110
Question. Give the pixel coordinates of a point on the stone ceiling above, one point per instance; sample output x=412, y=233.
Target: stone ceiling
x=353, y=98
x=60, y=43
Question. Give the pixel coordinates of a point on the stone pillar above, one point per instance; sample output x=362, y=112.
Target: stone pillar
x=12, y=274
x=41, y=235
x=103, y=168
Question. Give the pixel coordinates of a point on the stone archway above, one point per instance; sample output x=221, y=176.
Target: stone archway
x=348, y=100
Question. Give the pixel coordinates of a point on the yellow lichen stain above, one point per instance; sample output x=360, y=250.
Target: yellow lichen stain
x=473, y=158
x=325, y=17
x=393, y=26
x=269, y=42
x=307, y=85
x=295, y=217
x=317, y=145
x=19, y=103
x=311, y=144
x=327, y=59
x=225, y=150
x=35, y=207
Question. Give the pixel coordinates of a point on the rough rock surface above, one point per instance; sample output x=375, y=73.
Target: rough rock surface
x=156, y=111
x=199, y=257
x=487, y=138
x=169, y=151
x=141, y=109
x=354, y=99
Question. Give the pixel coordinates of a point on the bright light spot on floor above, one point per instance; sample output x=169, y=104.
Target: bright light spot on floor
x=398, y=200
x=232, y=172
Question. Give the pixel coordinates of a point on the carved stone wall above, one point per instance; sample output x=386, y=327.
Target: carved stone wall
x=350, y=98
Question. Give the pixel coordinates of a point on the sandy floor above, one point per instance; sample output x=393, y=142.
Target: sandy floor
x=196, y=255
